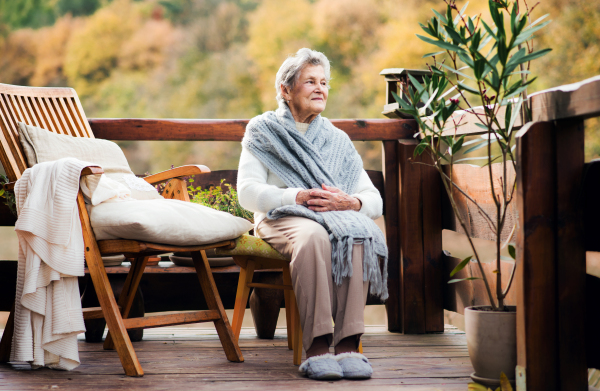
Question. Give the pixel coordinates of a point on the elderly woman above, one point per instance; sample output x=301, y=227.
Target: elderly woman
x=315, y=204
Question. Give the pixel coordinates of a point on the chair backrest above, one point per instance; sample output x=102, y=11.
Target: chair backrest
x=57, y=110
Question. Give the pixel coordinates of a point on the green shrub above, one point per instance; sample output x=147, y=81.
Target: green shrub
x=223, y=197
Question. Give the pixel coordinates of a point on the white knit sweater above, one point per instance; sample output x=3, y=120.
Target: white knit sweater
x=260, y=190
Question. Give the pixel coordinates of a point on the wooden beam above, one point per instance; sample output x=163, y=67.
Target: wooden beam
x=570, y=254
x=412, y=279
x=431, y=188
x=536, y=280
x=391, y=171
x=233, y=130
x=148, y=322
x=581, y=100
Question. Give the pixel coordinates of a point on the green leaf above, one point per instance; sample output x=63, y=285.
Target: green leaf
x=453, y=34
x=456, y=71
x=433, y=54
x=491, y=32
x=460, y=266
x=484, y=143
x=525, y=34
x=512, y=251
x=441, y=17
x=514, y=115
x=431, y=98
x=462, y=86
x=441, y=44
x=416, y=84
x=463, y=279
x=427, y=29
x=401, y=101
x=458, y=145
x=502, y=51
x=421, y=148
x=534, y=55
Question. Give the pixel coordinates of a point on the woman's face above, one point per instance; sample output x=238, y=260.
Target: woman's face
x=308, y=98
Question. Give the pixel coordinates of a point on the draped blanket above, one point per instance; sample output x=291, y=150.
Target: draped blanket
x=326, y=155
x=48, y=313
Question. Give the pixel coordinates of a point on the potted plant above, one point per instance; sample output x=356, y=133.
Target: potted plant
x=486, y=64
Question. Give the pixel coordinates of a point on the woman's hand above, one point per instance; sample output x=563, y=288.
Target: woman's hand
x=329, y=199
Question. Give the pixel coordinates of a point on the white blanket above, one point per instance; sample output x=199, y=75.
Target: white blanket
x=48, y=313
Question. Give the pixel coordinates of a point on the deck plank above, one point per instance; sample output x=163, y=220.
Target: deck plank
x=191, y=357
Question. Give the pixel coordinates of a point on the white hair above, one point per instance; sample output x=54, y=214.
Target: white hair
x=290, y=70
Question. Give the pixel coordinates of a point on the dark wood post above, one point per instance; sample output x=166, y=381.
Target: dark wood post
x=550, y=278
x=420, y=243
x=570, y=254
x=391, y=172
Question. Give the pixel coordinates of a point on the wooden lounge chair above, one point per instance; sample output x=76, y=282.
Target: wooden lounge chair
x=59, y=110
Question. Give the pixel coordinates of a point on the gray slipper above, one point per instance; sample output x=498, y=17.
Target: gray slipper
x=324, y=367
x=354, y=365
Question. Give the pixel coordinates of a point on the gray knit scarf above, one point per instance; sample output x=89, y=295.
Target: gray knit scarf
x=326, y=155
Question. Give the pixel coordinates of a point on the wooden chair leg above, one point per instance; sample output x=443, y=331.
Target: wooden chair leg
x=241, y=297
x=213, y=301
x=297, y=331
x=6, y=343
x=360, y=348
x=128, y=293
x=287, y=280
x=106, y=297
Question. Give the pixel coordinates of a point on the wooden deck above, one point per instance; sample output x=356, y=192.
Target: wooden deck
x=190, y=358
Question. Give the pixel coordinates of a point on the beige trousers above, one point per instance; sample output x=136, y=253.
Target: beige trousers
x=319, y=299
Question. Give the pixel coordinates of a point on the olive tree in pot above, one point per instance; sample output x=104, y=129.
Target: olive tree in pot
x=486, y=64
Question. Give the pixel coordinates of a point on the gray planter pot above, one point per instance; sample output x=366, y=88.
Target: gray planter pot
x=492, y=343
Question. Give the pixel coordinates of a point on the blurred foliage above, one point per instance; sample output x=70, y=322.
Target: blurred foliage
x=218, y=58
x=38, y=13
x=8, y=197
x=223, y=197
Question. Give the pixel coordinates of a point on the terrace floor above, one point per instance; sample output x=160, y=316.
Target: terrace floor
x=190, y=358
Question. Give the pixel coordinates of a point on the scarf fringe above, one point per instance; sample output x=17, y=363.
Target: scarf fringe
x=341, y=263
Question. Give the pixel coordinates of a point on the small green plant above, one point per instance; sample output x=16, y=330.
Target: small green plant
x=8, y=197
x=223, y=197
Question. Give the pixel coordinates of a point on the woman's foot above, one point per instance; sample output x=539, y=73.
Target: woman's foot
x=324, y=367
x=354, y=366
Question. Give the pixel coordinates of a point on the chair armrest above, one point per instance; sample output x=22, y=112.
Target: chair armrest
x=176, y=172
x=91, y=170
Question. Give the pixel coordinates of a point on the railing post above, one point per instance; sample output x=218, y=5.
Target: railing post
x=550, y=278
x=420, y=243
x=391, y=172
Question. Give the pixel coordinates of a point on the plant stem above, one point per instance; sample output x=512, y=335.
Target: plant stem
x=464, y=227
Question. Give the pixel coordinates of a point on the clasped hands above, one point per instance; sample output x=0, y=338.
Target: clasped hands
x=328, y=198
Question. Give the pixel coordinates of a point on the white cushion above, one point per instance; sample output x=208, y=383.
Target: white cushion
x=172, y=222
x=41, y=146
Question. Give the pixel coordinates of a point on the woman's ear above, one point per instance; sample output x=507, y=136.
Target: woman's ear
x=284, y=92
